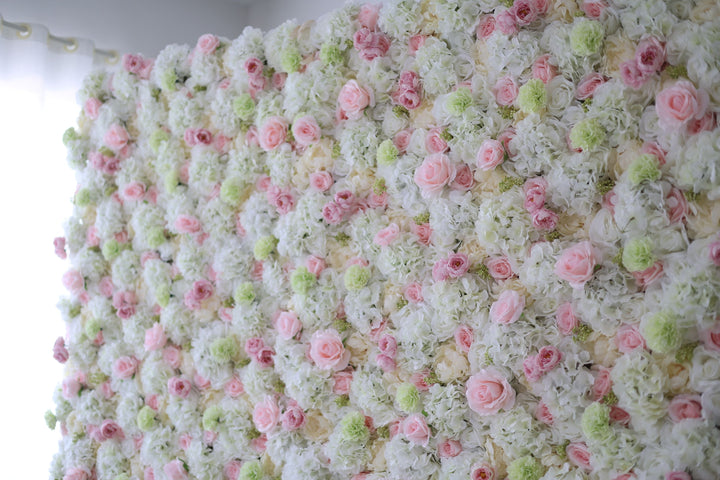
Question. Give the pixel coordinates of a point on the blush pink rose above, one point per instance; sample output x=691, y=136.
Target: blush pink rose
x=488, y=392
x=650, y=55
x=321, y=181
x=201, y=382
x=711, y=337
x=440, y=270
x=401, y=140
x=525, y=12
x=565, y=319
x=253, y=345
x=234, y=387
x=110, y=429
x=423, y=232
x=387, y=345
x=253, y=66
x=576, y=265
x=327, y=350
x=125, y=367
x=76, y=473
x=386, y=363
x=272, y=133
x=341, y=382
x=266, y=415
x=134, y=191
x=654, y=149
x=685, y=406
x=175, y=470
x=506, y=23
x=292, y=418
x=548, y=358
x=264, y=357
x=368, y=15
x=588, y=84
x=434, y=173
x=602, y=383
x=187, y=224
x=288, y=325
x=678, y=475
x=416, y=42
x=486, y=27
x=70, y=388
x=542, y=413
x=534, y=189
x=73, y=281
x=332, y=213
x=649, y=276
x=499, y=268
x=632, y=76
x=705, y=124
x=593, y=8
x=676, y=106
x=60, y=353
x=490, y=155
x=413, y=292
x=464, y=178
x=116, y=137
x=306, y=130
x=544, y=219
x=59, y=245
x=416, y=430
x=92, y=108
x=505, y=91
x=714, y=253
x=155, y=338
x=457, y=265
x=387, y=235
x=531, y=368
x=315, y=265
x=231, y=471
x=464, y=337
x=619, y=416
x=172, y=356
x=676, y=205
x=629, y=339
x=407, y=97
x=207, y=43
x=482, y=472
x=449, y=448
x=434, y=142
x=579, y=455
x=179, y=387
x=353, y=99
x=544, y=70
x=507, y=308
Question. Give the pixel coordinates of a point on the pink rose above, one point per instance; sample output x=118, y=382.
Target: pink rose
x=73, y=281
x=401, y=140
x=579, y=455
x=705, y=124
x=525, y=12
x=420, y=380
x=70, y=388
x=632, y=76
x=234, y=387
x=371, y=45
x=457, y=265
x=306, y=130
x=544, y=220
x=685, y=406
x=588, y=84
x=116, y=137
x=440, y=270
x=253, y=345
x=548, y=358
x=565, y=319
x=602, y=384
x=486, y=27
x=628, y=339
x=327, y=350
x=76, y=473
x=60, y=353
x=175, y=470
x=368, y=15
x=714, y=253
x=415, y=43
x=407, y=98
x=411, y=80
x=187, y=224
x=464, y=178
x=59, y=244
x=92, y=108
x=593, y=8
x=207, y=44
x=124, y=367
x=434, y=142
x=388, y=345
x=416, y=430
x=341, y=382
x=106, y=286
x=534, y=189
x=332, y=213
x=353, y=99
x=576, y=264
x=201, y=382
x=449, y=448
x=272, y=133
x=109, y=429
x=505, y=91
x=266, y=415
x=288, y=325
x=386, y=363
x=488, y=392
x=676, y=106
x=179, y=387
x=278, y=80
x=413, y=292
x=490, y=155
x=172, y=357
x=678, y=475
x=134, y=191
x=531, y=368
x=506, y=23
x=711, y=337
x=482, y=472
x=321, y=181
x=346, y=199
x=542, y=413
x=293, y=418
x=650, y=55
x=155, y=338
x=676, y=205
x=543, y=69
x=499, y=267
x=423, y=232
x=387, y=235
x=619, y=416
x=434, y=173
x=464, y=337
x=507, y=308
x=648, y=276
x=232, y=469
x=253, y=66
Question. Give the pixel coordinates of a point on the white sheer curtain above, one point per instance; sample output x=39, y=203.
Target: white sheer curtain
x=39, y=76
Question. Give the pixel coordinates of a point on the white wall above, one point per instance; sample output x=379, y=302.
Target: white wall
x=138, y=26
x=268, y=14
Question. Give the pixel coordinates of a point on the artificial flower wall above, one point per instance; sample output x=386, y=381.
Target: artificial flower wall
x=423, y=240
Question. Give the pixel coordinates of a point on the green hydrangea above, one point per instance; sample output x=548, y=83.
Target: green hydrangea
x=224, y=349
x=155, y=237
x=50, y=420
x=244, y=294
x=532, y=97
x=157, y=138
x=586, y=37
x=122, y=476
x=356, y=277
x=331, y=54
x=244, y=107
x=408, y=398
x=638, y=255
x=168, y=80
x=70, y=135
x=645, y=168
x=595, y=422
x=290, y=60
x=302, y=280
x=83, y=198
x=162, y=295
x=92, y=327
x=525, y=468
x=231, y=191
x=662, y=333
x=587, y=134
x=353, y=429
x=111, y=249
x=170, y=181
x=211, y=418
x=387, y=153
x=264, y=247
x=459, y=101
x=251, y=470
x=146, y=419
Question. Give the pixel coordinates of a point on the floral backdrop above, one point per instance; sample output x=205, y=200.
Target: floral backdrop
x=423, y=240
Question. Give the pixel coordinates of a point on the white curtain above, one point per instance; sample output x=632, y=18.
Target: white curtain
x=38, y=80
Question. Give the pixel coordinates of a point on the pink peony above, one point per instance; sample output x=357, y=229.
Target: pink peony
x=650, y=55
x=234, y=387
x=579, y=455
x=116, y=137
x=678, y=105
x=306, y=130
x=416, y=430
x=464, y=337
x=434, y=173
x=179, y=387
x=332, y=213
x=207, y=44
x=576, y=264
x=327, y=350
x=507, y=308
x=629, y=339
x=482, y=472
x=293, y=418
x=266, y=415
x=544, y=220
x=505, y=91
x=449, y=448
x=155, y=338
x=387, y=235
x=685, y=406
x=490, y=155
x=499, y=268
x=288, y=325
x=125, y=367
x=525, y=12
x=542, y=413
x=353, y=99
x=272, y=133
x=488, y=392
x=464, y=178
x=486, y=27
x=506, y=23
x=321, y=181
x=534, y=189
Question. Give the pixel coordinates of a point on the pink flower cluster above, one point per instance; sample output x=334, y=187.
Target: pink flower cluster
x=535, y=366
x=125, y=302
x=198, y=136
x=201, y=290
x=103, y=163
x=343, y=205
x=136, y=64
x=454, y=265
x=521, y=14
x=387, y=344
x=409, y=93
x=649, y=58
x=543, y=218
x=259, y=352
x=371, y=44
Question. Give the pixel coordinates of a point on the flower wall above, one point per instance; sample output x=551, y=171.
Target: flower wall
x=427, y=240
